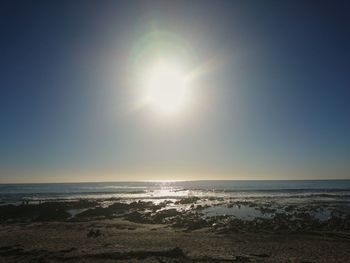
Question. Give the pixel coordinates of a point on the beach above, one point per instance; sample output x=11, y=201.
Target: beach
x=168, y=223
x=123, y=241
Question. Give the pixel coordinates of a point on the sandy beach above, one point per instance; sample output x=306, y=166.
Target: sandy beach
x=122, y=241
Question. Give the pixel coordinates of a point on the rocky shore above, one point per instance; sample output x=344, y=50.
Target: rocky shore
x=185, y=230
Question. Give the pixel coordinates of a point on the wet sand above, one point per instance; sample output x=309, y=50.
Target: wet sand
x=148, y=232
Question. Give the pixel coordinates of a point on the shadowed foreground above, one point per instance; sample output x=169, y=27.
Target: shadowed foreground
x=123, y=241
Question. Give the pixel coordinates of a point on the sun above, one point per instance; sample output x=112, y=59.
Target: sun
x=166, y=88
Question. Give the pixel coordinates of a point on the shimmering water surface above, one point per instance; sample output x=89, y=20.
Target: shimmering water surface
x=159, y=190
x=216, y=197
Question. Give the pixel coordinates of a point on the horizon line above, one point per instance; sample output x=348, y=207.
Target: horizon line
x=172, y=181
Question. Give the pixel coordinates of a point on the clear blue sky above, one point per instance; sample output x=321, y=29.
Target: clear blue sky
x=275, y=105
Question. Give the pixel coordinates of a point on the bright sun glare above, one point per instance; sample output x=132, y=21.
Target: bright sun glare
x=166, y=88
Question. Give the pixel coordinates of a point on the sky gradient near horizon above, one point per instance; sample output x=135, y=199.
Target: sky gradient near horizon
x=271, y=99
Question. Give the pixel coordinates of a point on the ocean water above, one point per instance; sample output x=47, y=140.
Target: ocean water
x=297, y=189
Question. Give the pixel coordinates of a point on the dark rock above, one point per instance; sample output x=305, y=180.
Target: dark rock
x=50, y=211
x=160, y=216
x=188, y=200
x=94, y=233
x=95, y=212
x=118, y=207
x=137, y=217
x=110, y=211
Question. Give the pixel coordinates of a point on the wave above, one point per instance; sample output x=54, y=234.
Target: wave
x=170, y=190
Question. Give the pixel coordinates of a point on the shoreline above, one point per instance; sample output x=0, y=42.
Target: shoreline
x=321, y=211
x=180, y=230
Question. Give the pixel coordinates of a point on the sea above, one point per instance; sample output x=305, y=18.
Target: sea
x=242, y=199
x=243, y=189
